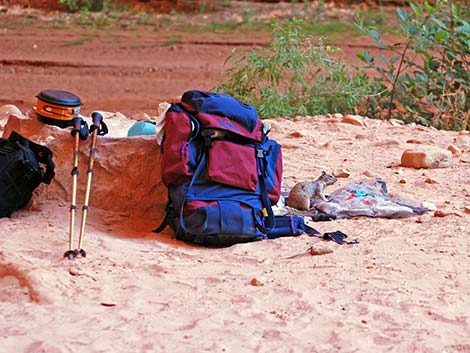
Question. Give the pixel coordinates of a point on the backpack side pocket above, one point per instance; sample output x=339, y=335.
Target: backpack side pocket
x=232, y=164
x=179, y=159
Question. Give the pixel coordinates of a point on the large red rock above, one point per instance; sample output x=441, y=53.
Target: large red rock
x=126, y=173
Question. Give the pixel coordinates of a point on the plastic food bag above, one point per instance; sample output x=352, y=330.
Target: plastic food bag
x=367, y=197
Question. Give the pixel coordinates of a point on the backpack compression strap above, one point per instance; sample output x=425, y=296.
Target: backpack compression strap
x=270, y=220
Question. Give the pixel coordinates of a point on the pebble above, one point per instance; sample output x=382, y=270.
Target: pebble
x=296, y=134
x=318, y=250
x=353, y=120
x=256, y=283
x=74, y=270
x=430, y=181
x=341, y=173
x=454, y=150
x=430, y=206
x=396, y=122
x=426, y=157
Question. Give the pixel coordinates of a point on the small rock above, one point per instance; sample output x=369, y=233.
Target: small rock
x=368, y=173
x=318, y=250
x=430, y=181
x=426, y=157
x=467, y=209
x=417, y=142
x=74, y=270
x=441, y=213
x=402, y=181
x=361, y=137
x=289, y=146
x=296, y=134
x=255, y=282
x=454, y=150
x=399, y=171
x=395, y=165
x=389, y=142
x=140, y=116
x=430, y=206
x=341, y=173
x=276, y=126
x=396, y=122
x=353, y=120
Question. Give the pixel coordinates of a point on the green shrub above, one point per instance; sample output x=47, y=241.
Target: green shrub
x=294, y=75
x=85, y=5
x=425, y=78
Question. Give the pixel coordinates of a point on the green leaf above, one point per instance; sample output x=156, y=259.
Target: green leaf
x=416, y=9
x=379, y=44
x=463, y=29
x=434, y=64
x=364, y=56
x=439, y=23
x=383, y=59
x=441, y=35
x=374, y=34
x=429, y=8
x=412, y=29
x=395, y=58
x=402, y=14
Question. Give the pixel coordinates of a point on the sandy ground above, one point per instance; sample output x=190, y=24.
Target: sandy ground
x=404, y=288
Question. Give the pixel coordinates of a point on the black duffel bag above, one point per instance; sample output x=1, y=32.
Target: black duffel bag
x=24, y=165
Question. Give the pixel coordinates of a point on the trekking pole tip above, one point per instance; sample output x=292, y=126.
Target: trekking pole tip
x=71, y=254
x=81, y=252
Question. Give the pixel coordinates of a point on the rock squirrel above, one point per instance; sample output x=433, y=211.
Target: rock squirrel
x=302, y=194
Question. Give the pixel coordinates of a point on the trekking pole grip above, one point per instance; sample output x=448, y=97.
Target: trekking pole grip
x=98, y=124
x=80, y=126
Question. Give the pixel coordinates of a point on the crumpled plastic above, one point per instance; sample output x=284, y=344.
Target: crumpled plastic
x=160, y=121
x=367, y=197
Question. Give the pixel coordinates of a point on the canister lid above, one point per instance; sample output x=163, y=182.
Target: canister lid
x=55, y=96
x=143, y=127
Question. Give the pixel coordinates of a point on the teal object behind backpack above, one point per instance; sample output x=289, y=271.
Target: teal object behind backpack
x=143, y=127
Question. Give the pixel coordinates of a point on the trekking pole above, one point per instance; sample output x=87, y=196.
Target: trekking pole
x=98, y=127
x=79, y=131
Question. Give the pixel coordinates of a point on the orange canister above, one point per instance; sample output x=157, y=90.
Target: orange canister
x=57, y=107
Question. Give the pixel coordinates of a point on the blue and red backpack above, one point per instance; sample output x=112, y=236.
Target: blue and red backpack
x=223, y=173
